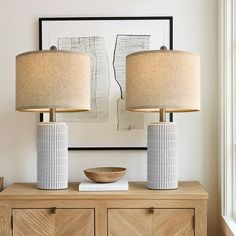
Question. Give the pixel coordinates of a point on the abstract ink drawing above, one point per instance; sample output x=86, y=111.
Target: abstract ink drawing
x=95, y=46
x=125, y=45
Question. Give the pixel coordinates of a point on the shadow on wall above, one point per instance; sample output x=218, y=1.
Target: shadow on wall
x=17, y=143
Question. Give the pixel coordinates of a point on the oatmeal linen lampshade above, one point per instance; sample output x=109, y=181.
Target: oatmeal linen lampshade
x=52, y=79
x=162, y=81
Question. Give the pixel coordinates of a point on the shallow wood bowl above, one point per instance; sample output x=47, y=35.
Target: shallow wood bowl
x=105, y=174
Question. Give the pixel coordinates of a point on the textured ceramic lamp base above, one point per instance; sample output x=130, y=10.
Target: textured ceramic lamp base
x=52, y=155
x=161, y=156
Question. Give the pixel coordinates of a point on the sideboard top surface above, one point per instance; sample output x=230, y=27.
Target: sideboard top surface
x=137, y=191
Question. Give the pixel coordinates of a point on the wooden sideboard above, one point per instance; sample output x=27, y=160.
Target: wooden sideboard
x=25, y=210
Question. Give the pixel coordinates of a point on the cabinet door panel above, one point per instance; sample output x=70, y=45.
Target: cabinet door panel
x=28, y=222
x=143, y=222
x=74, y=222
x=173, y=222
x=127, y=222
x=41, y=222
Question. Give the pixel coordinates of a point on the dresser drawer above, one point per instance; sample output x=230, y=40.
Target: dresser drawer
x=53, y=222
x=147, y=222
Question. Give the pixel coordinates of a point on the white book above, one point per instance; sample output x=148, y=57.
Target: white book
x=121, y=185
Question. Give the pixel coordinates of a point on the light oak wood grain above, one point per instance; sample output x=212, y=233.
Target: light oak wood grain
x=29, y=222
x=74, y=222
x=101, y=218
x=201, y=218
x=41, y=222
x=5, y=219
x=100, y=211
x=173, y=222
x=146, y=222
x=126, y=222
x=137, y=190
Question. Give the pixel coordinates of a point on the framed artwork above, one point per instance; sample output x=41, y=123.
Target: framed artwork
x=108, y=40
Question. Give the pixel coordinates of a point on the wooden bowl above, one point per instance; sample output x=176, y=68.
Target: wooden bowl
x=105, y=174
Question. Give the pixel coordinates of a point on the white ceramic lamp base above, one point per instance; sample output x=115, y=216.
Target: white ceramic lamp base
x=52, y=155
x=161, y=156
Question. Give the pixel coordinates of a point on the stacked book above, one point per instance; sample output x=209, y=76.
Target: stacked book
x=121, y=185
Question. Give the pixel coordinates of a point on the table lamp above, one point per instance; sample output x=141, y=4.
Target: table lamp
x=162, y=81
x=52, y=81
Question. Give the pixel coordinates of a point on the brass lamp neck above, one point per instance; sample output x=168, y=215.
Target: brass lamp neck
x=162, y=115
x=52, y=115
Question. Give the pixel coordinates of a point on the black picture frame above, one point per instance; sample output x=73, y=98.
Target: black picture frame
x=169, y=19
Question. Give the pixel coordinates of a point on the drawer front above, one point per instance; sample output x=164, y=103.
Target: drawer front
x=149, y=222
x=53, y=222
x=177, y=222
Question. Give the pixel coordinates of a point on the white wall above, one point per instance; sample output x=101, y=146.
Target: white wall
x=195, y=29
